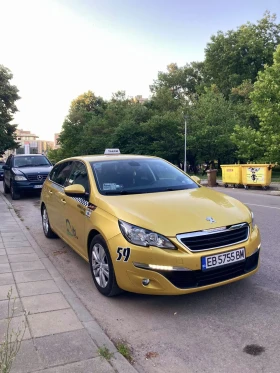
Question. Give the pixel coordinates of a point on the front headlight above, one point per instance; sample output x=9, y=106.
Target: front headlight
x=252, y=218
x=143, y=237
x=20, y=178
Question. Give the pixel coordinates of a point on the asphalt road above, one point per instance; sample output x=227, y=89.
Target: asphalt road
x=201, y=332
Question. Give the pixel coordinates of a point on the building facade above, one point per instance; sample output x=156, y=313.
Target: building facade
x=29, y=144
x=56, y=145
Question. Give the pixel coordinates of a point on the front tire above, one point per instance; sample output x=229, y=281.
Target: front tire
x=49, y=233
x=102, y=269
x=5, y=187
x=15, y=195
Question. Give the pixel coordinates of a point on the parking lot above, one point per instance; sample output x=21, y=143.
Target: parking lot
x=208, y=331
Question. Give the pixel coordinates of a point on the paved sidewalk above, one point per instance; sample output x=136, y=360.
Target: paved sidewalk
x=61, y=335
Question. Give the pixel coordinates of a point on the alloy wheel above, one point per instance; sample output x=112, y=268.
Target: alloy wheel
x=100, y=265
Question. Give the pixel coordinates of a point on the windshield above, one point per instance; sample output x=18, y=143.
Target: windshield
x=31, y=161
x=134, y=176
x=1, y=165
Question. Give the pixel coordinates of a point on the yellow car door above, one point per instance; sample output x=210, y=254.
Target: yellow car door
x=75, y=209
x=55, y=189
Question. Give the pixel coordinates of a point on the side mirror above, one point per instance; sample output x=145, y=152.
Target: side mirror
x=196, y=179
x=76, y=190
x=5, y=167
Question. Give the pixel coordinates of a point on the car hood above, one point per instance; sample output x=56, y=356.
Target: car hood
x=34, y=170
x=174, y=212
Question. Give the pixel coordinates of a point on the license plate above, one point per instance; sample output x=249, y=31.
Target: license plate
x=38, y=186
x=219, y=260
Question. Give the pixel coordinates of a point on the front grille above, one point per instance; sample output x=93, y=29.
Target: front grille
x=35, y=178
x=193, y=279
x=213, y=239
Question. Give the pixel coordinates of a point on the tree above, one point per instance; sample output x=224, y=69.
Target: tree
x=266, y=105
x=182, y=82
x=249, y=144
x=82, y=110
x=237, y=55
x=8, y=97
x=210, y=123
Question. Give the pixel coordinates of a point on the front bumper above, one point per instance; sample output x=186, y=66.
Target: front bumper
x=188, y=280
x=27, y=185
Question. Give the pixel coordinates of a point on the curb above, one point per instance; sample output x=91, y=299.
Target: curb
x=275, y=192
x=97, y=334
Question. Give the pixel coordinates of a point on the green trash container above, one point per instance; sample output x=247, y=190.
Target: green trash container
x=231, y=175
x=256, y=175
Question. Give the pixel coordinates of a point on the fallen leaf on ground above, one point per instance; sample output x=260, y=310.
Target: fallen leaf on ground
x=151, y=355
x=59, y=252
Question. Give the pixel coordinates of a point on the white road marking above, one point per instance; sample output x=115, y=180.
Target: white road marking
x=269, y=207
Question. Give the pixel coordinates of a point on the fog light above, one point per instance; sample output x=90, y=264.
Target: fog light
x=145, y=281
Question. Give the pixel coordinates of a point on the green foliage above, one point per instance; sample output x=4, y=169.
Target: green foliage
x=84, y=109
x=231, y=101
x=266, y=105
x=55, y=155
x=238, y=55
x=124, y=350
x=249, y=144
x=105, y=353
x=8, y=97
x=10, y=346
x=211, y=121
x=182, y=82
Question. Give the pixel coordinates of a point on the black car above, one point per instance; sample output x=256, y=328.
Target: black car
x=25, y=172
x=1, y=170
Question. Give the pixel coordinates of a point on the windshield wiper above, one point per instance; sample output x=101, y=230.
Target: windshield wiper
x=24, y=165
x=111, y=193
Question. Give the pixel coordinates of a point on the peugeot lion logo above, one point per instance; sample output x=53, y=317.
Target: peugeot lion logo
x=39, y=177
x=210, y=219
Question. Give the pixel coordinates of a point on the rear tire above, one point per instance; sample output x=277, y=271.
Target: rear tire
x=15, y=195
x=5, y=187
x=226, y=185
x=102, y=269
x=49, y=233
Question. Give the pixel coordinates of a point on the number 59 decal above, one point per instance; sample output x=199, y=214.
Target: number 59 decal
x=123, y=253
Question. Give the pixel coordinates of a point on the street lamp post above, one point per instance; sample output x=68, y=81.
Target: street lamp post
x=185, y=157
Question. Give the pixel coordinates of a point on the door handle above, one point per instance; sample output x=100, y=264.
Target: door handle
x=50, y=192
x=63, y=201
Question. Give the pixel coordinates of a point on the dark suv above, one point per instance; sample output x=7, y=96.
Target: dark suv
x=25, y=172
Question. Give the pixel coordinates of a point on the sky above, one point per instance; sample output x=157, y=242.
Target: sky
x=59, y=49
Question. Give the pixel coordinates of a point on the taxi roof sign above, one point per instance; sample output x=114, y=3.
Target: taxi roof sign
x=112, y=151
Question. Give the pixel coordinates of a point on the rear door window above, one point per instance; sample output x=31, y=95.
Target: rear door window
x=60, y=173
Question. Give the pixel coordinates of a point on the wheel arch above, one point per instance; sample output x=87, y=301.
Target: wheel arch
x=91, y=236
x=42, y=206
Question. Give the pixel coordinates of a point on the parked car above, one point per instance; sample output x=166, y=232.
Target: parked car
x=1, y=170
x=147, y=227
x=25, y=172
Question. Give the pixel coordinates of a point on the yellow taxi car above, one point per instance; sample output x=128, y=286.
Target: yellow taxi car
x=147, y=227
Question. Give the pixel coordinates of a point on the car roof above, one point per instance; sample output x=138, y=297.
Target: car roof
x=102, y=157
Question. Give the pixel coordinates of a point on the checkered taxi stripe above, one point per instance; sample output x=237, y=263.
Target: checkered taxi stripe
x=82, y=201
